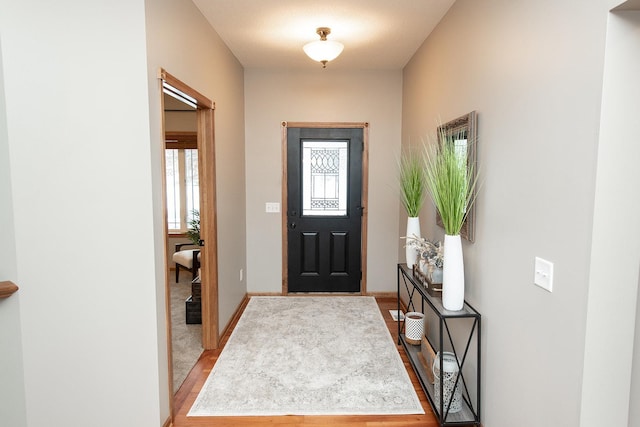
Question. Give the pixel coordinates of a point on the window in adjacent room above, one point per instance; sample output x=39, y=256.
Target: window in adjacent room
x=183, y=189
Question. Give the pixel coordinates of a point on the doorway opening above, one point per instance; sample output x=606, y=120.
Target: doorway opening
x=183, y=249
x=194, y=167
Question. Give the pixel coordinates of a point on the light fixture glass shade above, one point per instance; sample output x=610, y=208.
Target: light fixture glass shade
x=323, y=50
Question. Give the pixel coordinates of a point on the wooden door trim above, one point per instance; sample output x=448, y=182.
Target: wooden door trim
x=208, y=229
x=208, y=221
x=203, y=101
x=365, y=194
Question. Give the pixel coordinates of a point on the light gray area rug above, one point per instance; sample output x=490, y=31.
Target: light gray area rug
x=308, y=356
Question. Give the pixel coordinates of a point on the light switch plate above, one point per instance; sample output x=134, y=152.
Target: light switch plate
x=543, y=274
x=272, y=207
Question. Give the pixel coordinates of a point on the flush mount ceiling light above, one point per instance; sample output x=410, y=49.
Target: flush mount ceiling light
x=323, y=50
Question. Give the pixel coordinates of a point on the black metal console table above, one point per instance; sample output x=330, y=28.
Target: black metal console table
x=468, y=320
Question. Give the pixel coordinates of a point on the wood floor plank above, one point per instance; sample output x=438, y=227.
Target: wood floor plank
x=189, y=390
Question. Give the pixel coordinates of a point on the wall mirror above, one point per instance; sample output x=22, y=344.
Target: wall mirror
x=463, y=132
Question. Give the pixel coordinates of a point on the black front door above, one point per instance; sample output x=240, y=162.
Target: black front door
x=324, y=209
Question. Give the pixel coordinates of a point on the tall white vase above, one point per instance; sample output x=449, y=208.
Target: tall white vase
x=453, y=274
x=413, y=230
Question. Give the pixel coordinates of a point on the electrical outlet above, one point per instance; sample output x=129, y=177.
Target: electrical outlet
x=543, y=274
x=272, y=207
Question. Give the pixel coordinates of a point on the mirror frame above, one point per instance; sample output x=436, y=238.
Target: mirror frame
x=464, y=124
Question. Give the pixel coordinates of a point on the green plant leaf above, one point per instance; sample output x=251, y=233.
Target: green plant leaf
x=193, y=232
x=412, y=181
x=450, y=180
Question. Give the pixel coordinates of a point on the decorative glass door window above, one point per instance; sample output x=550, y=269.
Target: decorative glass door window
x=324, y=178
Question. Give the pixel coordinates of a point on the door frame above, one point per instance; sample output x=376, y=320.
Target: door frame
x=208, y=218
x=365, y=194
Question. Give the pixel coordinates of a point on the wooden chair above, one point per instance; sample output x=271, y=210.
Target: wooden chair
x=188, y=259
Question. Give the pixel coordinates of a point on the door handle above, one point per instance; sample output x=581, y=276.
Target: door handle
x=292, y=225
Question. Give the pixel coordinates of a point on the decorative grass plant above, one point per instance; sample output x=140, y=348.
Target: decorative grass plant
x=193, y=232
x=451, y=181
x=412, y=181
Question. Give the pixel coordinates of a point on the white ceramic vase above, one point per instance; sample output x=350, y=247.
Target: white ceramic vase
x=413, y=230
x=453, y=274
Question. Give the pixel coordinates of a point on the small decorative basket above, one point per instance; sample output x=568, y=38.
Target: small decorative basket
x=413, y=327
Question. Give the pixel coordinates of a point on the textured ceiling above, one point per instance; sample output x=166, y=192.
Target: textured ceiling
x=377, y=34
x=629, y=5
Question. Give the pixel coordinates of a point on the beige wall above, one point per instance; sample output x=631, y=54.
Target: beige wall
x=634, y=393
x=180, y=121
x=77, y=155
x=533, y=72
x=12, y=393
x=320, y=96
x=181, y=41
x=94, y=314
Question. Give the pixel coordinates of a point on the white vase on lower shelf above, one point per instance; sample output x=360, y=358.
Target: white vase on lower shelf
x=413, y=230
x=453, y=274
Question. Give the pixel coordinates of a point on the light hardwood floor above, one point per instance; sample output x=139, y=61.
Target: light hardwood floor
x=187, y=394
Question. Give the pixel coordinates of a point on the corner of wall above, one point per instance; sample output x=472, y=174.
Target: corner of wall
x=12, y=387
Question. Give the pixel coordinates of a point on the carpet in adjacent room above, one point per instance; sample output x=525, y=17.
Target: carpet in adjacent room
x=186, y=340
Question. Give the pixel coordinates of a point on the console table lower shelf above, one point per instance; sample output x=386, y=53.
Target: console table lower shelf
x=465, y=416
x=456, y=335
